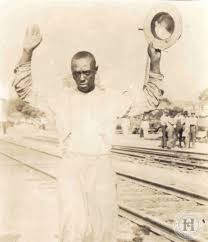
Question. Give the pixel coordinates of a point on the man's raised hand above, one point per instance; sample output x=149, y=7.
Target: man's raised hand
x=155, y=56
x=32, y=38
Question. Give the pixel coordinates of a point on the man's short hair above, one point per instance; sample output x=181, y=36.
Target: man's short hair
x=84, y=54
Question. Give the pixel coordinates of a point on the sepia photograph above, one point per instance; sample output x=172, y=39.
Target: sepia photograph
x=103, y=121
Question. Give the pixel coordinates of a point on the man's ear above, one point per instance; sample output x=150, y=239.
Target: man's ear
x=96, y=68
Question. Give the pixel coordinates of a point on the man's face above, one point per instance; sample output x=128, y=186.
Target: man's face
x=84, y=71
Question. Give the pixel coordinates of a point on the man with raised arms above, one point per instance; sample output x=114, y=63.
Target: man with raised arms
x=86, y=121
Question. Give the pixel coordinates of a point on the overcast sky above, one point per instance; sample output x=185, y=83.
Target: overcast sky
x=109, y=30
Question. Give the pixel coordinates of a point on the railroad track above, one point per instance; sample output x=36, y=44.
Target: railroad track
x=148, y=205
x=179, y=159
x=140, y=201
x=171, y=152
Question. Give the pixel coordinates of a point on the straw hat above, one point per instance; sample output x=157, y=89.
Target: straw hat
x=163, y=26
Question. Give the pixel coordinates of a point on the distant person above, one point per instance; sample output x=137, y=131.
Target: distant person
x=193, y=130
x=171, y=131
x=186, y=129
x=145, y=127
x=141, y=133
x=164, y=125
x=179, y=122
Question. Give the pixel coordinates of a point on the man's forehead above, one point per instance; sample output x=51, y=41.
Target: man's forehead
x=82, y=63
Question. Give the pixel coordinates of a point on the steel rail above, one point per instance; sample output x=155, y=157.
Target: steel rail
x=170, y=153
x=164, y=161
x=203, y=200
x=155, y=225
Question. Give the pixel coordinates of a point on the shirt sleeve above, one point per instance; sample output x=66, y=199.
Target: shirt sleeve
x=152, y=92
x=22, y=83
x=24, y=89
x=138, y=101
x=54, y=107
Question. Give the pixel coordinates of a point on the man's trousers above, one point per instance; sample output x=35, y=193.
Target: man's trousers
x=192, y=135
x=179, y=135
x=164, y=136
x=87, y=199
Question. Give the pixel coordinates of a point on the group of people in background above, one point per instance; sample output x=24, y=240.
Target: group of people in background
x=178, y=130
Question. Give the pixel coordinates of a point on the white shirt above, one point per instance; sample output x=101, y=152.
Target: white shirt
x=164, y=120
x=88, y=119
x=193, y=121
x=180, y=119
